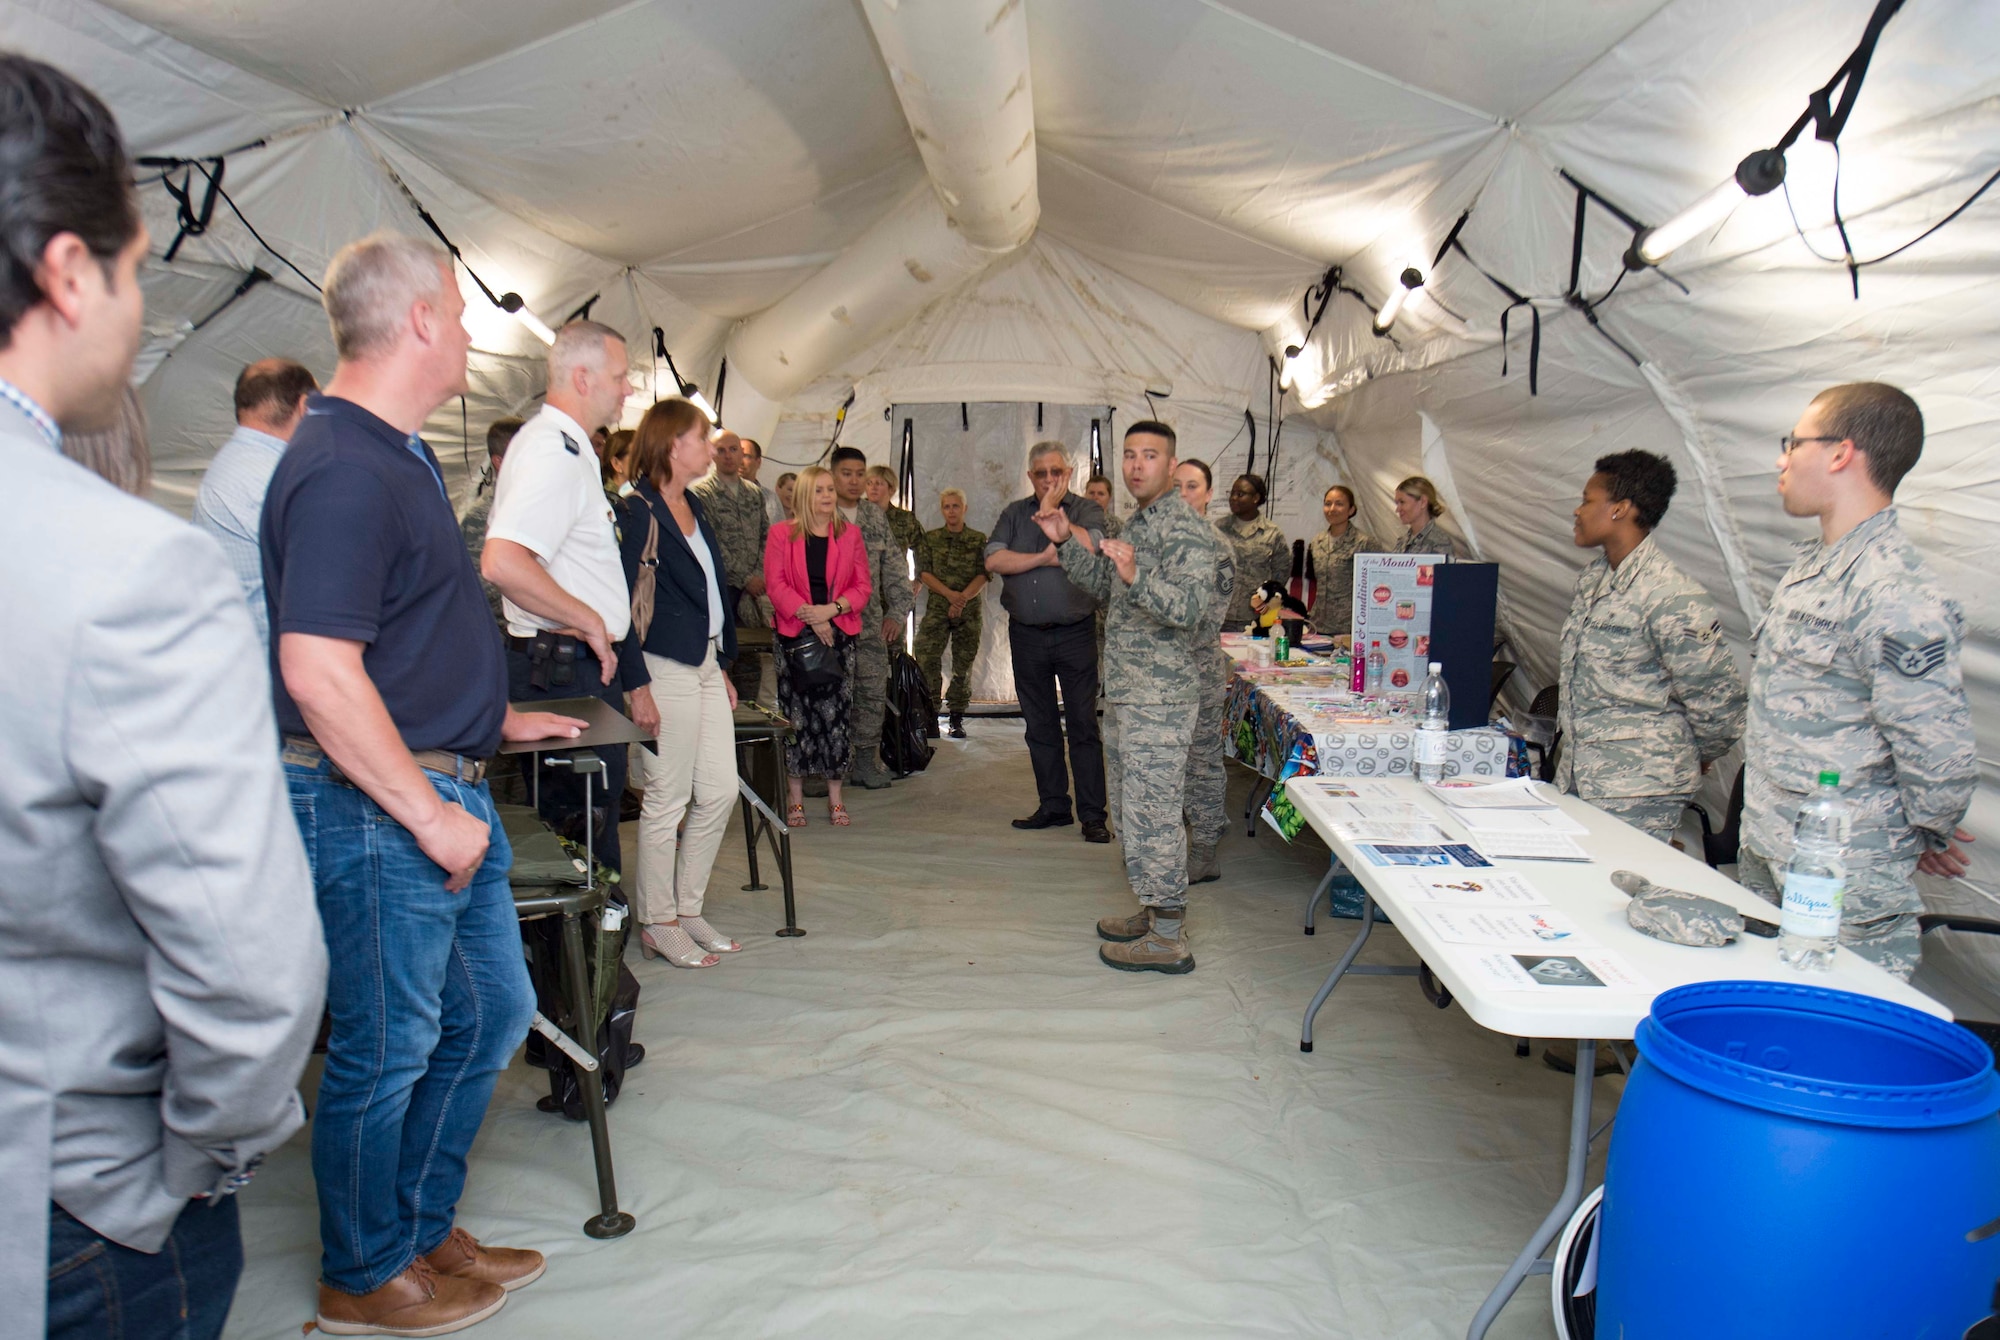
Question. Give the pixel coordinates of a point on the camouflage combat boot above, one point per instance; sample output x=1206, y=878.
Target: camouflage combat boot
x=1151, y=953
x=1125, y=929
x=1204, y=866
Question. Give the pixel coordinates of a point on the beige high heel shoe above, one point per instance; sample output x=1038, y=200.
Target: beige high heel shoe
x=675, y=946
x=709, y=938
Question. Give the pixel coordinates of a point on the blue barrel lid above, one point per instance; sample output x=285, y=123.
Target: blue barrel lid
x=1689, y=1036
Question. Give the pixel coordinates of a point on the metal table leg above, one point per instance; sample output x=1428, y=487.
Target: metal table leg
x=757, y=815
x=1319, y=892
x=756, y=884
x=1348, y=965
x=610, y=1221
x=1259, y=789
x=1531, y=1261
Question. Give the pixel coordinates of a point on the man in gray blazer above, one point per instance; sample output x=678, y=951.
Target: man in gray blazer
x=161, y=965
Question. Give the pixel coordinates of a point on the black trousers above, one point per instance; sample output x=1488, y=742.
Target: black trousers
x=1043, y=657
x=562, y=789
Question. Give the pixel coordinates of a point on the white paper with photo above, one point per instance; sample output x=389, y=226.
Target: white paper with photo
x=1379, y=831
x=1517, y=793
x=1355, y=788
x=1511, y=846
x=1467, y=888
x=1581, y=970
x=1479, y=822
x=1542, y=929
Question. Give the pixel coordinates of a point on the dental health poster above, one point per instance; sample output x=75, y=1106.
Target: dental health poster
x=1392, y=605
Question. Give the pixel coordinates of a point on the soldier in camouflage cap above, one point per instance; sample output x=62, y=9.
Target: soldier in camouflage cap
x=1157, y=582
x=1650, y=694
x=1856, y=670
x=951, y=565
x=1207, y=818
x=882, y=619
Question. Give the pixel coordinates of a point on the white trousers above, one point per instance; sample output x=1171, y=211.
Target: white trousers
x=691, y=778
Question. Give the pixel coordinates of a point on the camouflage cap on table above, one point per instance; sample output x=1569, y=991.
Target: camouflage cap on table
x=1675, y=915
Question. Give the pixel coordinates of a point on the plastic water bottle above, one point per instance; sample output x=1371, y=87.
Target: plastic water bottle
x=1431, y=733
x=1378, y=669
x=1816, y=879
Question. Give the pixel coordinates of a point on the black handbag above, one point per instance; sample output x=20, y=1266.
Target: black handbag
x=809, y=662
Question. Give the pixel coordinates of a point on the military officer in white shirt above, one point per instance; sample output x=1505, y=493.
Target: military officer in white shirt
x=552, y=551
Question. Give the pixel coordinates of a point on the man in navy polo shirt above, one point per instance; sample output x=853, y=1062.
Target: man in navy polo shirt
x=391, y=693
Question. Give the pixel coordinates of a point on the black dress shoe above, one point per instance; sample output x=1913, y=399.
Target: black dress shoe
x=1094, y=830
x=1040, y=819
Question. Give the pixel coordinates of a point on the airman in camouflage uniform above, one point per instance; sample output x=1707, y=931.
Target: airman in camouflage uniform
x=1153, y=626
x=1650, y=695
x=735, y=509
x=1207, y=780
x=1332, y=564
x=956, y=561
x=889, y=602
x=1418, y=507
x=1650, y=692
x=1260, y=553
x=1856, y=670
x=903, y=523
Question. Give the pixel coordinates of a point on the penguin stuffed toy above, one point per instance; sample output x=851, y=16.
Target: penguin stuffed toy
x=1280, y=606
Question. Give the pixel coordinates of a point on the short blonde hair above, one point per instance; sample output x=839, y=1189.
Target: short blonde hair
x=802, y=492
x=371, y=285
x=952, y=493
x=883, y=473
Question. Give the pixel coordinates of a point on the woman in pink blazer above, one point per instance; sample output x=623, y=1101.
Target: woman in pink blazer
x=816, y=577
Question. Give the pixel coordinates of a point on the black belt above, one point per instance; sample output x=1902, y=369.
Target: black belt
x=305, y=751
x=528, y=643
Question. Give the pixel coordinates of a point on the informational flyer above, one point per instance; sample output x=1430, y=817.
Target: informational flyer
x=1579, y=969
x=1468, y=888
x=1392, y=605
x=1541, y=927
x=1422, y=854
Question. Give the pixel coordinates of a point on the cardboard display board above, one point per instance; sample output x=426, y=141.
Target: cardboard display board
x=1392, y=605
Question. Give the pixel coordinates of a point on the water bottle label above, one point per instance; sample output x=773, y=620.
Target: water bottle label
x=1431, y=746
x=1812, y=905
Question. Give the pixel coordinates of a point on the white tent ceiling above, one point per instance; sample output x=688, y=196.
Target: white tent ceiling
x=1199, y=165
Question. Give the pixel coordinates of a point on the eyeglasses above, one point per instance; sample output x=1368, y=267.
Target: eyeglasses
x=1790, y=440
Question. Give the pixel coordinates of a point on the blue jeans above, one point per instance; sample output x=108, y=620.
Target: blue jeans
x=99, y=1290
x=429, y=997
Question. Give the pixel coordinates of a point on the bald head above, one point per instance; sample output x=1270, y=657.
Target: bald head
x=728, y=454
x=271, y=396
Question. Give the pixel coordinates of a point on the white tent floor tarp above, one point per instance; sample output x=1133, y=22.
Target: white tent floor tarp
x=938, y=1114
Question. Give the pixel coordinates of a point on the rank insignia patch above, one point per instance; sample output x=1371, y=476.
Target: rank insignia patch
x=1913, y=662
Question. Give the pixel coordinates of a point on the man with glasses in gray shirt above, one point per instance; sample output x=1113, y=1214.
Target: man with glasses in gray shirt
x=1052, y=636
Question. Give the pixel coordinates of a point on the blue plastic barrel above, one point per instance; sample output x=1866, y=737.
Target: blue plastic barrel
x=1792, y=1161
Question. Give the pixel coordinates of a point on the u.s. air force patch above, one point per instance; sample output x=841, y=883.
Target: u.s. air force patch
x=1913, y=662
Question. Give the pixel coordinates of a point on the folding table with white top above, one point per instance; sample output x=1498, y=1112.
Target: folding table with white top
x=1584, y=895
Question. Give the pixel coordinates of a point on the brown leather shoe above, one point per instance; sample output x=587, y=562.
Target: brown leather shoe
x=461, y=1257
x=417, y=1302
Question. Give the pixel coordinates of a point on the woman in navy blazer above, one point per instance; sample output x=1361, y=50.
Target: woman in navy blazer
x=816, y=576
x=676, y=674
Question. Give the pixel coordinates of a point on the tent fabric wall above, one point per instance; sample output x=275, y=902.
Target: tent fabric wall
x=1200, y=163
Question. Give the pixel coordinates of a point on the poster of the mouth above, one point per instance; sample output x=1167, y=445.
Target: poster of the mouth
x=1392, y=605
